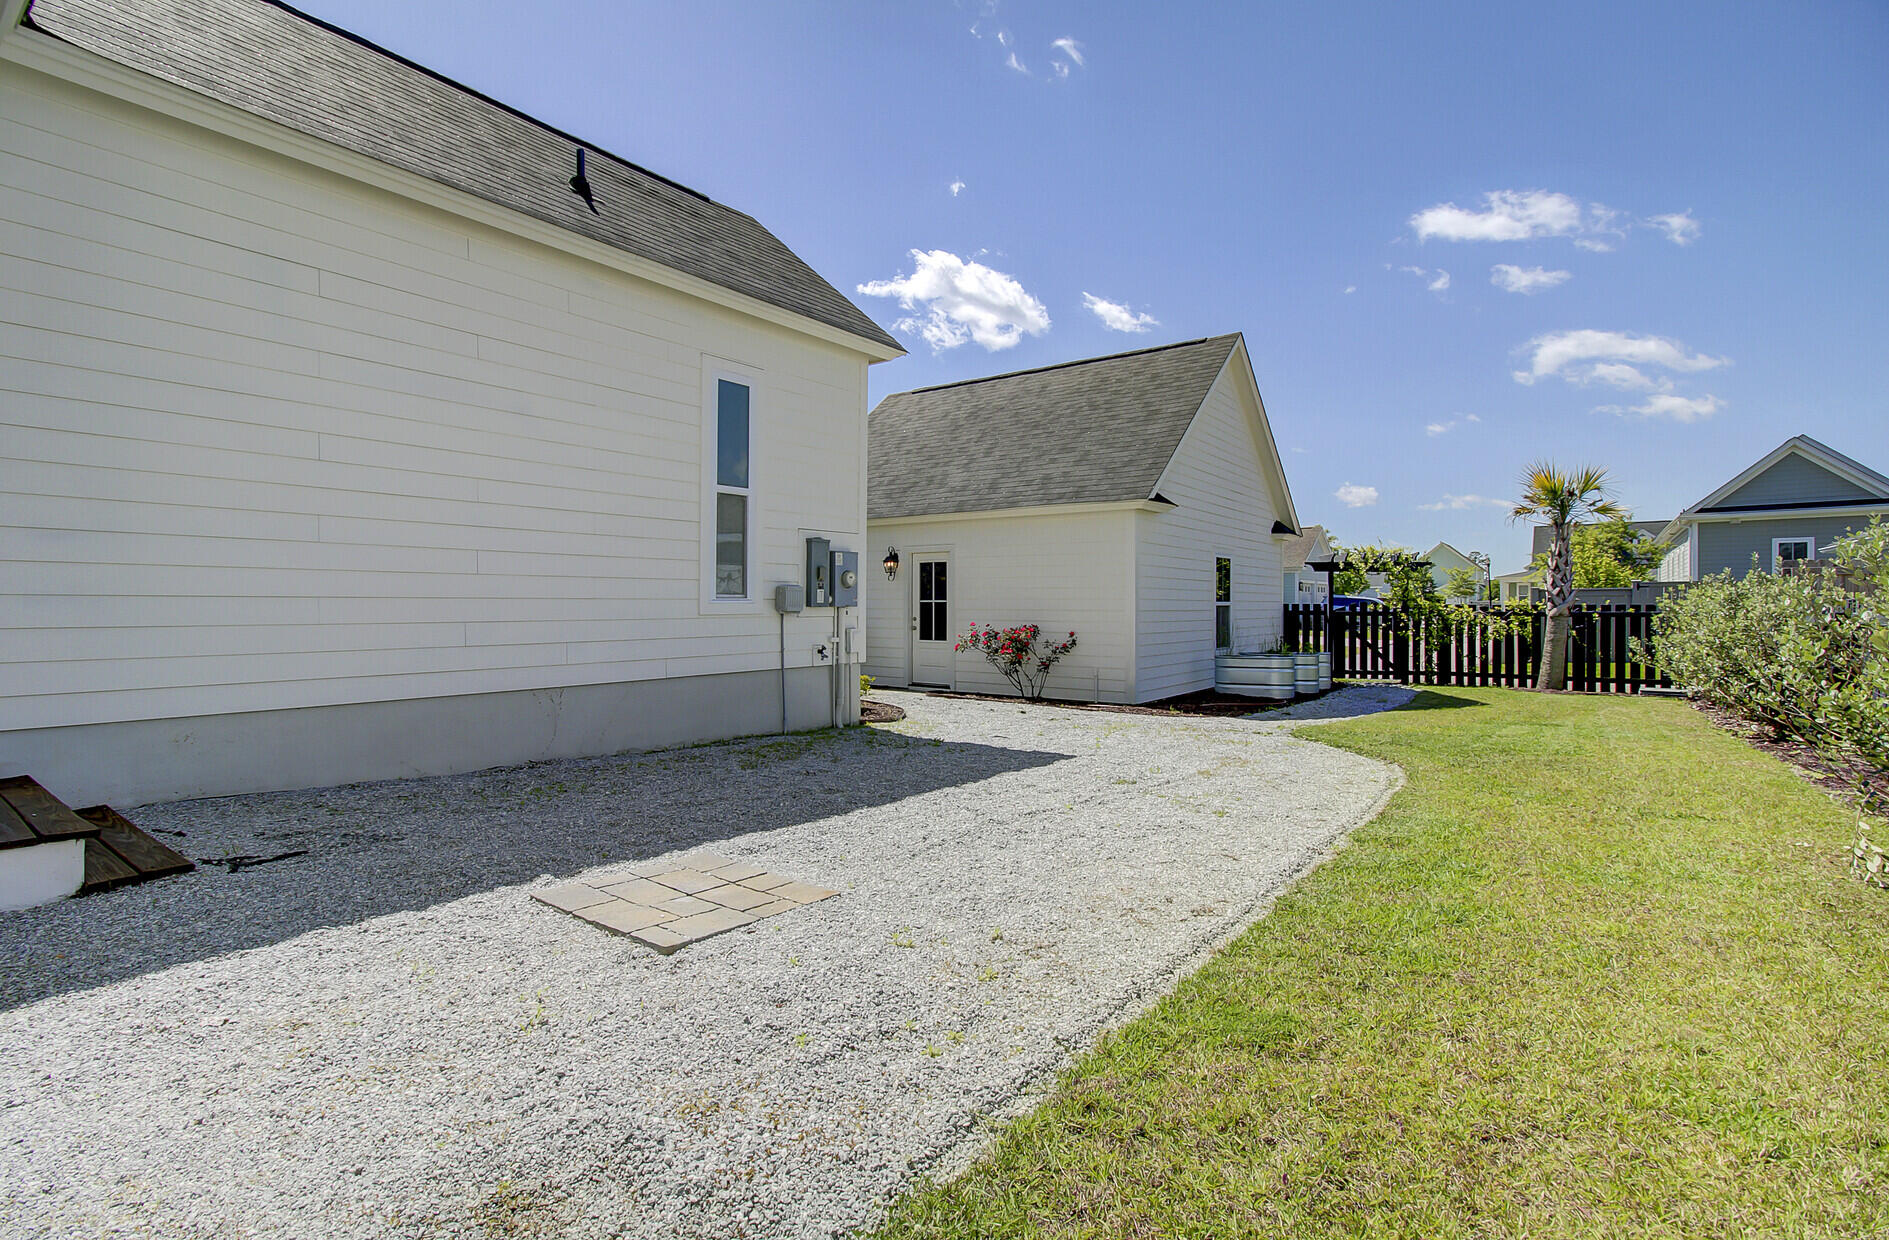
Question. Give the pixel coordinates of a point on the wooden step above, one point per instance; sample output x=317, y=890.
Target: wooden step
x=116, y=852
x=147, y=856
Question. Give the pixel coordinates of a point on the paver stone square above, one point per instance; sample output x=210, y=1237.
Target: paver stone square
x=684, y=906
x=702, y=925
x=641, y=891
x=570, y=897
x=735, y=896
x=736, y=871
x=764, y=881
x=624, y=917
x=771, y=907
x=661, y=938
x=688, y=882
x=801, y=893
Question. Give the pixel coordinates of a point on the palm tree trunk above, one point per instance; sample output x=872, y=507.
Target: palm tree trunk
x=1553, y=671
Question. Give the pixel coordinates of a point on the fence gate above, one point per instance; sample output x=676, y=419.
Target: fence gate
x=1381, y=642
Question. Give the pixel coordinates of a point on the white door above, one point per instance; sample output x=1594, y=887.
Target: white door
x=932, y=638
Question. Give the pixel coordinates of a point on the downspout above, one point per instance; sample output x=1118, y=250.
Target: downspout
x=783, y=616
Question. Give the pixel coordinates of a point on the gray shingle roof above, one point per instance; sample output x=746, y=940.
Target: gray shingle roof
x=276, y=63
x=1095, y=431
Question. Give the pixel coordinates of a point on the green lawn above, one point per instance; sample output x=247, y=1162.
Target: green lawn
x=1597, y=970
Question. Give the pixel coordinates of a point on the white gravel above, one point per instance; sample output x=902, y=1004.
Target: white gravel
x=1347, y=703
x=386, y=1037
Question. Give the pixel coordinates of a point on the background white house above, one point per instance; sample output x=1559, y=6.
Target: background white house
x=1137, y=499
x=361, y=431
x=1311, y=545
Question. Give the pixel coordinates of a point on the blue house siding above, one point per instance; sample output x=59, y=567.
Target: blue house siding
x=1792, y=481
x=1730, y=544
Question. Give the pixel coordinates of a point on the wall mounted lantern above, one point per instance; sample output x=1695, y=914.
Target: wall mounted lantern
x=891, y=563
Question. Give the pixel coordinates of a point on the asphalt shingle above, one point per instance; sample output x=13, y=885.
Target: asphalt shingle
x=1095, y=431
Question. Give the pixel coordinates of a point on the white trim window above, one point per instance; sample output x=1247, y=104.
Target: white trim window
x=730, y=519
x=1789, y=552
x=1222, y=603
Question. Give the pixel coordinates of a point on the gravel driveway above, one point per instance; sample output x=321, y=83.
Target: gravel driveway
x=385, y=1036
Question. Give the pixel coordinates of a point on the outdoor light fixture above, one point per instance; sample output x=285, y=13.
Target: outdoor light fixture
x=891, y=563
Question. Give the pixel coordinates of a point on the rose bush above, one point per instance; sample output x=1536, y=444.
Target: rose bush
x=1020, y=653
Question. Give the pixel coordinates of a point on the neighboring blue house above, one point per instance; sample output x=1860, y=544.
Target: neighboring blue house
x=1798, y=498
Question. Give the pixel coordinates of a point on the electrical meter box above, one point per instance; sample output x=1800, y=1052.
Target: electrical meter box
x=846, y=579
x=819, y=573
x=789, y=599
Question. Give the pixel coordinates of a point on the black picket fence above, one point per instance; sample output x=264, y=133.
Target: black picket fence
x=1370, y=643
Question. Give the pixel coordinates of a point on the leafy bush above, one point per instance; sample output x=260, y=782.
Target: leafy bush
x=1806, y=655
x=865, y=684
x=1020, y=654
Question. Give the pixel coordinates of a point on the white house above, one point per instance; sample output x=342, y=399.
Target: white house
x=1136, y=499
x=356, y=425
x=1311, y=546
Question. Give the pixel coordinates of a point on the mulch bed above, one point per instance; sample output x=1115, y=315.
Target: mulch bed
x=1839, y=783
x=879, y=712
x=1207, y=703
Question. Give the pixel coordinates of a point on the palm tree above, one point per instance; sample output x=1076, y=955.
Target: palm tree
x=1561, y=499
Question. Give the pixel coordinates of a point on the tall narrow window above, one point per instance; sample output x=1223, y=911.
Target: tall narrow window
x=732, y=507
x=1223, y=604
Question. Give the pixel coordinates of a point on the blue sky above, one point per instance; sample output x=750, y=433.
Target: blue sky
x=1663, y=226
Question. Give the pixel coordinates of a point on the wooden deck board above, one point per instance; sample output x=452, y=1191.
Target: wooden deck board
x=14, y=832
x=149, y=857
x=45, y=813
x=105, y=869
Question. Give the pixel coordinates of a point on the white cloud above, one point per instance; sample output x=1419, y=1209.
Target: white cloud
x=1513, y=279
x=955, y=301
x=1437, y=281
x=1608, y=357
x=1439, y=428
x=1470, y=417
x=1352, y=496
x=1595, y=245
x=1003, y=38
x=1117, y=317
x=1351, y=288
x=1680, y=228
x=1070, y=48
x=1458, y=503
x=1507, y=215
x=1016, y=64
x=1666, y=405
x=957, y=187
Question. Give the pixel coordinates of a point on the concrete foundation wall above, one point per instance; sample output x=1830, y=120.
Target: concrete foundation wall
x=145, y=761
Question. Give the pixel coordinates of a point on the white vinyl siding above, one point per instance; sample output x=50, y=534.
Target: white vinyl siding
x=1676, y=564
x=1059, y=571
x=273, y=438
x=1223, y=507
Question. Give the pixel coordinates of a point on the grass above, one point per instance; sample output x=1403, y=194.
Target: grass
x=1597, y=971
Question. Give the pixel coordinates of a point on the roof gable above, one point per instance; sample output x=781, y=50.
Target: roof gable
x=1795, y=479
x=1096, y=431
x=1800, y=472
x=1311, y=543
x=276, y=63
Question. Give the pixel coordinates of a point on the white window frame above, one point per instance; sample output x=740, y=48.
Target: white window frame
x=1218, y=604
x=714, y=371
x=1810, y=549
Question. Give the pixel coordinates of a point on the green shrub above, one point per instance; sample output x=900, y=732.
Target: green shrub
x=1806, y=656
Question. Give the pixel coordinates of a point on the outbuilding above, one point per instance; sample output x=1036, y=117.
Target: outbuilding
x=1137, y=500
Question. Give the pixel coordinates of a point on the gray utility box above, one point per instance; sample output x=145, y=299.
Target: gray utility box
x=846, y=579
x=819, y=573
x=789, y=599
